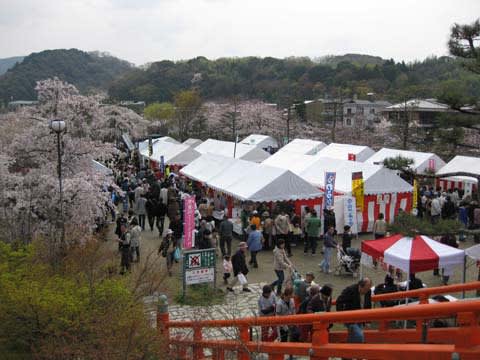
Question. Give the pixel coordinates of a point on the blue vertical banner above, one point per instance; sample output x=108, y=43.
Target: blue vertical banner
x=329, y=189
x=162, y=164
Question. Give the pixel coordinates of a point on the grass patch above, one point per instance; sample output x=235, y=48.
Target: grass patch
x=200, y=295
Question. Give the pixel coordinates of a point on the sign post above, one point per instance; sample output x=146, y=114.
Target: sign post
x=199, y=266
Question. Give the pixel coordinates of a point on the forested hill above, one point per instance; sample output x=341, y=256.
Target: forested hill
x=8, y=63
x=283, y=80
x=84, y=70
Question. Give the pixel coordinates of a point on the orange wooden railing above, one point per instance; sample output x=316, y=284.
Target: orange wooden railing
x=382, y=343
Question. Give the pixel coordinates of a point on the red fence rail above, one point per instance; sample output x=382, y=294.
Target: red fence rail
x=381, y=343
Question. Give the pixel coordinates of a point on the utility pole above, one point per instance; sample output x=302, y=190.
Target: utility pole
x=405, y=125
x=288, y=124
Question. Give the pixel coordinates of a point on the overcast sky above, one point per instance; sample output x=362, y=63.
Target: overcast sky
x=142, y=31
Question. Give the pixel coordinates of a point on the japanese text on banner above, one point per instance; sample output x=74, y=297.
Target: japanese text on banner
x=329, y=189
x=188, y=221
x=358, y=189
x=415, y=193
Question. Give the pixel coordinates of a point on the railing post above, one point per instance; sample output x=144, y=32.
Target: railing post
x=319, y=337
x=243, y=353
x=197, y=337
x=162, y=319
x=468, y=335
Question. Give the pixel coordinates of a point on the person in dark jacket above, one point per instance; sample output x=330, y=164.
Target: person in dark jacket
x=226, y=235
x=346, y=238
x=355, y=297
x=387, y=287
x=322, y=301
x=177, y=227
x=329, y=220
x=151, y=206
x=240, y=267
x=160, y=213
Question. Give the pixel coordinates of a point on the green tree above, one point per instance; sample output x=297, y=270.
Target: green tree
x=164, y=111
x=188, y=108
x=401, y=164
x=463, y=43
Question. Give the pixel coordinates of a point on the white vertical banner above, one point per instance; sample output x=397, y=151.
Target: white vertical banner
x=393, y=205
x=350, y=212
x=371, y=215
x=468, y=188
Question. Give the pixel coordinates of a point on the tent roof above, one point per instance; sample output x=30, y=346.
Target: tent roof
x=378, y=180
x=462, y=163
x=420, y=159
x=102, y=169
x=341, y=151
x=304, y=146
x=142, y=145
x=262, y=141
x=292, y=161
x=414, y=254
x=473, y=252
x=173, y=154
x=192, y=142
x=226, y=148
x=246, y=180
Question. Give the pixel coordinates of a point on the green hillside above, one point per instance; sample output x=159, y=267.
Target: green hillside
x=8, y=63
x=84, y=70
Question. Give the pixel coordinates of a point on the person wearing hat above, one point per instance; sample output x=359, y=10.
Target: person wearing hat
x=240, y=269
x=301, y=288
x=321, y=302
x=167, y=249
x=255, y=219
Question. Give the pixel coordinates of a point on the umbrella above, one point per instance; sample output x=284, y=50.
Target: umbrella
x=414, y=254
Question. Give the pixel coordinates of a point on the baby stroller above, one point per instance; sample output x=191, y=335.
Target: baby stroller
x=348, y=262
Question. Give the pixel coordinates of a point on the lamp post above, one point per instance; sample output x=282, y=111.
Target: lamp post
x=58, y=127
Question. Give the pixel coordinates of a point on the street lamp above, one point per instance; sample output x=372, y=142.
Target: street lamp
x=58, y=127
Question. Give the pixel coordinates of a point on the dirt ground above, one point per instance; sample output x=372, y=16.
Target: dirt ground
x=150, y=242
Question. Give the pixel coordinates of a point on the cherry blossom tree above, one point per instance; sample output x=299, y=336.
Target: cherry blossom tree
x=29, y=192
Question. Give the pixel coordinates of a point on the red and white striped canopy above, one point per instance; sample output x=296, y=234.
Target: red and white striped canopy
x=413, y=254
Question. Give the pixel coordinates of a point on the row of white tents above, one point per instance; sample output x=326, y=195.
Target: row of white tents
x=250, y=170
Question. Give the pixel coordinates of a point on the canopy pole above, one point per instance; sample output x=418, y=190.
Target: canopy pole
x=464, y=274
x=406, y=299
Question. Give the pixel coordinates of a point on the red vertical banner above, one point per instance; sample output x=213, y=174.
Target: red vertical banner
x=431, y=164
x=352, y=157
x=188, y=221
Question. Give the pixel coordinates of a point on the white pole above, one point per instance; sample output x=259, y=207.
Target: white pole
x=464, y=274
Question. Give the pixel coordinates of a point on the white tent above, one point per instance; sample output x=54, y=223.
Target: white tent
x=100, y=168
x=384, y=191
x=173, y=154
x=304, y=146
x=245, y=180
x=192, y=142
x=377, y=179
x=462, y=163
x=144, y=144
x=261, y=141
x=227, y=149
x=421, y=161
x=473, y=252
x=292, y=161
x=346, y=152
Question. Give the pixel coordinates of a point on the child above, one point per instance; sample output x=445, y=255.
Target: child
x=266, y=307
x=227, y=268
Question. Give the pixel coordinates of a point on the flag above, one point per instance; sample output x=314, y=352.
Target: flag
x=415, y=194
x=358, y=189
x=329, y=189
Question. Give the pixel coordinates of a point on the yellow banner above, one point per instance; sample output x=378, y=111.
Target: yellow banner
x=358, y=190
x=415, y=194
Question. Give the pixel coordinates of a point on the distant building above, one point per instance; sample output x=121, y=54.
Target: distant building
x=422, y=113
x=364, y=113
x=137, y=106
x=323, y=110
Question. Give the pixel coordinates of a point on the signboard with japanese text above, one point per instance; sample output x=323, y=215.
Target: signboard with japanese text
x=162, y=164
x=329, y=189
x=350, y=213
x=188, y=222
x=415, y=194
x=352, y=157
x=431, y=164
x=358, y=189
x=199, y=266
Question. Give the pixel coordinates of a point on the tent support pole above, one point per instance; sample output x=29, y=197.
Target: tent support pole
x=406, y=299
x=464, y=274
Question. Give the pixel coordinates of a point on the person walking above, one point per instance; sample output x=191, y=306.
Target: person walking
x=151, y=207
x=282, y=227
x=240, y=269
x=355, y=297
x=346, y=238
x=286, y=306
x=281, y=262
x=135, y=233
x=141, y=210
x=226, y=235
x=312, y=229
x=124, y=247
x=267, y=231
x=167, y=249
x=329, y=244
x=266, y=307
x=254, y=242
x=227, y=268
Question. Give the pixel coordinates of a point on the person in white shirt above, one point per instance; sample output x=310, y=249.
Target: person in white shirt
x=436, y=209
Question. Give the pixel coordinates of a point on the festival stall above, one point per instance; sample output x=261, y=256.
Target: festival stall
x=383, y=191
x=422, y=162
x=295, y=162
x=304, y=146
x=413, y=254
x=460, y=164
x=262, y=141
x=244, y=181
x=232, y=150
x=191, y=142
x=346, y=152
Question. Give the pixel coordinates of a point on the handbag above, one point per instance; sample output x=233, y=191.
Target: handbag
x=176, y=254
x=242, y=279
